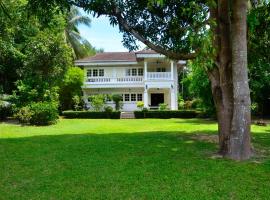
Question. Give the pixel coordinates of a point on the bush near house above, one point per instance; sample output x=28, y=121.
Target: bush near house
x=91, y=115
x=166, y=114
x=40, y=113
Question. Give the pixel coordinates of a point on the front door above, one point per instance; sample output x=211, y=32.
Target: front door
x=156, y=99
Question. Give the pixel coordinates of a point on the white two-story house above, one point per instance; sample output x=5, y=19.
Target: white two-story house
x=138, y=76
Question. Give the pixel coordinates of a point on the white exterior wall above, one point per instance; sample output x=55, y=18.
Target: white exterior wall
x=127, y=105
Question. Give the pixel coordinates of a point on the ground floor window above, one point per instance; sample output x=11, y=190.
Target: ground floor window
x=127, y=98
x=133, y=97
x=139, y=97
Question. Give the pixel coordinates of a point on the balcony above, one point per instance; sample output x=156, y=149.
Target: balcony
x=105, y=80
x=159, y=75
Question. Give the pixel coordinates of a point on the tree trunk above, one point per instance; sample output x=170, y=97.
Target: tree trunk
x=221, y=76
x=232, y=102
x=239, y=142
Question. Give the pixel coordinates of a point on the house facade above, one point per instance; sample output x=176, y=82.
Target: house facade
x=138, y=76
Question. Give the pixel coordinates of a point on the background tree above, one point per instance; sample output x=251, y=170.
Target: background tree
x=259, y=57
x=80, y=46
x=70, y=87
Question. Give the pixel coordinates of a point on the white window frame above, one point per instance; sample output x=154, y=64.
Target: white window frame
x=126, y=95
x=135, y=97
x=141, y=99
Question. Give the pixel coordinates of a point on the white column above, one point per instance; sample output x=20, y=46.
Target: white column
x=145, y=70
x=145, y=98
x=173, y=102
x=172, y=70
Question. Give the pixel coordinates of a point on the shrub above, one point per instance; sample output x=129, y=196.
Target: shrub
x=24, y=115
x=140, y=105
x=168, y=114
x=5, y=109
x=181, y=102
x=117, y=99
x=44, y=113
x=108, y=109
x=97, y=102
x=91, y=115
x=77, y=102
x=163, y=106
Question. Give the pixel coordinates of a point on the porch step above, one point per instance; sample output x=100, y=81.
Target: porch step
x=127, y=115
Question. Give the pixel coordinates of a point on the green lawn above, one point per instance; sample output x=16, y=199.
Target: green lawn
x=127, y=159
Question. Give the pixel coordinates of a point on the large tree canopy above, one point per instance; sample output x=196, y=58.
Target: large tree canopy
x=174, y=28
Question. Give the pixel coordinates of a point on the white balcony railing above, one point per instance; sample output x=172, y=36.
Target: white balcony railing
x=158, y=75
x=131, y=79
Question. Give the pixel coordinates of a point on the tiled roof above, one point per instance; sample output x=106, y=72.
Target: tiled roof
x=146, y=52
x=111, y=57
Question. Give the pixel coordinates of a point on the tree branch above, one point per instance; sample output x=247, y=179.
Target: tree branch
x=176, y=56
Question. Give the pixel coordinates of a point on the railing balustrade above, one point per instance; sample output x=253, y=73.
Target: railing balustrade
x=130, y=79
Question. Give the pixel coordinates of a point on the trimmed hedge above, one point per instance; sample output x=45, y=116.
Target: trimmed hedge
x=91, y=115
x=166, y=114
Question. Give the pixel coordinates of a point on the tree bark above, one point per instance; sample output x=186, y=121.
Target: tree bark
x=239, y=142
x=229, y=80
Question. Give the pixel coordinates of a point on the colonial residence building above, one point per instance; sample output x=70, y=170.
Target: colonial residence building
x=138, y=76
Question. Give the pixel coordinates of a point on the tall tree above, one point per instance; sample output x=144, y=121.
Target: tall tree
x=177, y=29
x=80, y=45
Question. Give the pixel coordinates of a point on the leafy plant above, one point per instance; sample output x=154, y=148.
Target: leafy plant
x=24, y=114
x=163, y=106
x=77, y=102
x=140, y=105
x=117, y=99
x=43, y=113
x=108, y=109
x=97, y=102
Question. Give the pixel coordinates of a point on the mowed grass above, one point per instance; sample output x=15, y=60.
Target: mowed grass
x=127, y=159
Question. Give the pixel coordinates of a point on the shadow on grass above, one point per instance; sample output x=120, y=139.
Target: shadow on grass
x=197, y=121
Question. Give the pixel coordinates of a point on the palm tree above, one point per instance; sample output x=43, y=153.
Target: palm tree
x=4, y=9
x=81, y=47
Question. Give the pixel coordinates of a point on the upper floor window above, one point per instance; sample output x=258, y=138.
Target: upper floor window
x=95, y=72
x=89, y=72
x=134, y=72
x=161, y=69
x=140, y=72
x=101, y=72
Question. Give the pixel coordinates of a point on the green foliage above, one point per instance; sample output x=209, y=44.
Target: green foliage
x=70, y=87
x=40, y=113
x=199, y=87
x=163, y=106
x=44, y=113
x=140, y=105
x=24, y=115
x=259, y=57
x=108, y=109
x=181, y=102
x=97, y=102
x=117, y=99
x=81, y=47
x=77, y=102
x=166, y=114
x=91, y=114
